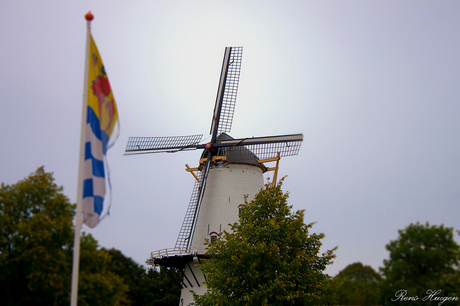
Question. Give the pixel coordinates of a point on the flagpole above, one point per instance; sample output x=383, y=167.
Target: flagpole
x=81, y=159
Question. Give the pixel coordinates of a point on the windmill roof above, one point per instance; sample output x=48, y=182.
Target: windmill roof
x=236, y=154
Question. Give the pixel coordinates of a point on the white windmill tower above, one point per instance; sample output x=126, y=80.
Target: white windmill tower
x=228, y=169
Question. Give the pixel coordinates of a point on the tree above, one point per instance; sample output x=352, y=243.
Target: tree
x=35, y=241
x=359, y=272
x=145, y=286
x=423, y=258
x=97, y=285
x=36, y=248
x=158, y=289
x=357, y=285
x=130, y=272
x=269, y=258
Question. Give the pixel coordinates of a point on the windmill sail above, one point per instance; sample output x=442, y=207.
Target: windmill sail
x=139, y=145
x=184, y=234
x=227, y=91
x=221, y=122
x=262, y=147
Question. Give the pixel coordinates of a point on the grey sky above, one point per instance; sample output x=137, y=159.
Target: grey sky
x=372, y=85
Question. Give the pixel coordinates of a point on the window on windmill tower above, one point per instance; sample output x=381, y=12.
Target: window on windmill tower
x=240, y=207
x=213, y=237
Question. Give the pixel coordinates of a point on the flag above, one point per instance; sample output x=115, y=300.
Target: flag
x=100, y=133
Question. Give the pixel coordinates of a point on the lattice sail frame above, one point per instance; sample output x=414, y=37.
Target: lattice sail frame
x=231, y=90
x=264, y=150
x=185, y=231
x=137, y=145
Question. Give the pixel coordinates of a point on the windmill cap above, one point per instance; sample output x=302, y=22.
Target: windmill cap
x=236, y=154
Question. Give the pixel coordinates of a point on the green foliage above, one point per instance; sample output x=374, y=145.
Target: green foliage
x=145, y=287
x=358, y=272
x=97, y=285
x=269, y=258
x=36, y=249
x=357, y=285
x=423, y=257
x=159, y=290
x=130, y=272
x=35, y=240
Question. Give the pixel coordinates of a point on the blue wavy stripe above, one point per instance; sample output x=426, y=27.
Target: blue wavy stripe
x=98, y=204
x=93, y=120
x=88, y=191
x=97, y=165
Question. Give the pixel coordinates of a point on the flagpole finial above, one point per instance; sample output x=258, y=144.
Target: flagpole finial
x=89, y=16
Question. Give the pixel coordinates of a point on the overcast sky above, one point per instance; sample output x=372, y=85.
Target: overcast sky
x=373, y=86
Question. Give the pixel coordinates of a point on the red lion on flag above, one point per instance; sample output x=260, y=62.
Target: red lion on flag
x=102, y=90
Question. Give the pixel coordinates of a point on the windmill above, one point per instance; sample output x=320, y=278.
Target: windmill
x=228, y=169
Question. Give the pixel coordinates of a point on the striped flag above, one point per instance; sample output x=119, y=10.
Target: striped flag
x=101, y=131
